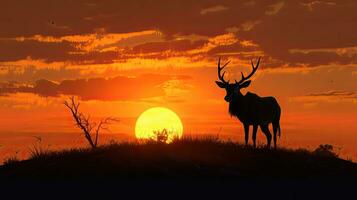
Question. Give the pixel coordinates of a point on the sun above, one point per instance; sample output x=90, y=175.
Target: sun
x=158, y=119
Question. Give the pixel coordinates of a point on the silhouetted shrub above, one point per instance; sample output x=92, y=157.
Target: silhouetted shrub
x=325, y=150
x=161, y=136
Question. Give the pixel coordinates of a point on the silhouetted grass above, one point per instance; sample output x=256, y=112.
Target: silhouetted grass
x=186, y=158
x=11, y=160
x=37, y=150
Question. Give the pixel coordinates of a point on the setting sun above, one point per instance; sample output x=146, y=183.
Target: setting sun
x=157, y=119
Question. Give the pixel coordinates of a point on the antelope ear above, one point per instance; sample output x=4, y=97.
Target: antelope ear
x=220, y=84
x=245, y=84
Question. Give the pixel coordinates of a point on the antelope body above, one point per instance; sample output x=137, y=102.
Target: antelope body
x=251, y=109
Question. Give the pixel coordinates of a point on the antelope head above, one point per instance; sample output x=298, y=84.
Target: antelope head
x=233, y=89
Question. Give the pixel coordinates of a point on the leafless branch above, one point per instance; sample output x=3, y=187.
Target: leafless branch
x=86, y=124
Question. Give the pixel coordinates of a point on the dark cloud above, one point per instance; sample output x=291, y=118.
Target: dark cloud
x=76, y=17
x=176, y=45
x=233, y=48
x=12, y=50
x=283, y=25
x=29, y=74
x=13, y=87
x=341, y=94
x=117, y=88
x=296, y=27
x=318, y=58
x=94, y=57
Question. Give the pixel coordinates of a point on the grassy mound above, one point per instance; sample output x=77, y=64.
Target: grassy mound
x=183, y=159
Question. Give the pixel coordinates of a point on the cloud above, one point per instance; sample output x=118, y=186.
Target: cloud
x=98, y=41
x=13, y=50
x=176, y=45
x=219, y=40
x=347, y=51
x=274, y=8
x=26, y=101
x=80, y=19
x=249, y=25
x=343, y=94
x=328, y=97
x=213, y=9
x=88, y=50
x=316, y=58
x=110, y=89
x=240, y=47
x=333, y=101
x=76, y=33
x=313, y=4
x=84, y=50
x=28, y=71
x=250, y=3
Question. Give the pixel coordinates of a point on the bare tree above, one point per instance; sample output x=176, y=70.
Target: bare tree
x=91, y=129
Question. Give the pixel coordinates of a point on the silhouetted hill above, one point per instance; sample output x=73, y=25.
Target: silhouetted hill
x=187, y=159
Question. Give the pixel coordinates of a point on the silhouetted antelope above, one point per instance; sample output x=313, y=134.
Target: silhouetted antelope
x=250, y=109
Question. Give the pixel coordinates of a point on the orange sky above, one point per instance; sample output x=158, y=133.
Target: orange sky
x=122, y=58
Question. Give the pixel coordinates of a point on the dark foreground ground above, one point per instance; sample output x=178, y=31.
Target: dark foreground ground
x=206, y=167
